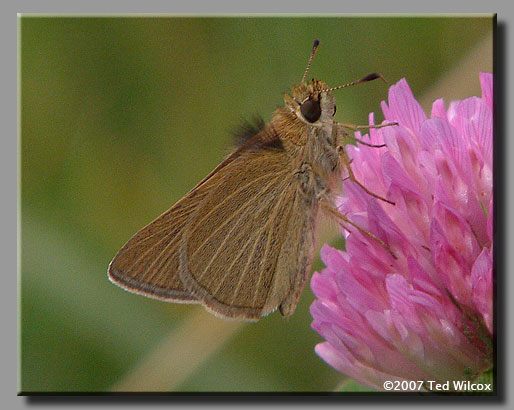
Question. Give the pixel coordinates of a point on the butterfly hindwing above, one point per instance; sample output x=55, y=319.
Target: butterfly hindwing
x=249, y=245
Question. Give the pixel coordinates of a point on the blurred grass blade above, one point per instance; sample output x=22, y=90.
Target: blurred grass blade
x=350, y=385
x=180, y=354
x=462, y=81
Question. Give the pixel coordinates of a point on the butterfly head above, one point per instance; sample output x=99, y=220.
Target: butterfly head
x=309, y=105
x=308, y=100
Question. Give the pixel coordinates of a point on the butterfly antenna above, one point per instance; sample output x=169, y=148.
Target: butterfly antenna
x=313, y=52
x=369, y=77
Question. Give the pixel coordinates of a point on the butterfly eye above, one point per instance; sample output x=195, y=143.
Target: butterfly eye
x=311, y=110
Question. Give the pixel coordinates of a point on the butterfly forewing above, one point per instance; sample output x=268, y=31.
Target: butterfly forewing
x=148, y=263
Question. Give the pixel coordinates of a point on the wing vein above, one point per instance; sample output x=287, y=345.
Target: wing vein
x=227, y=237
x=230, y=196
x=243, y=248
x=261, y=231
x=270, y=185
x=165, y=249
x=276, y=211
x=178, y=213
x=237, y=258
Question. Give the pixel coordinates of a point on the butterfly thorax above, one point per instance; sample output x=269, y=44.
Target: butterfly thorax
x=305, y=126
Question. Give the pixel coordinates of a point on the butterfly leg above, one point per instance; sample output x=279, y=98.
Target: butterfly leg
x=365, y=127
x=341, y=127
x=346, y=162
x=343, y=219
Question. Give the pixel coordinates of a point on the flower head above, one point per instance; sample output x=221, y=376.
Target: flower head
x=426, y=314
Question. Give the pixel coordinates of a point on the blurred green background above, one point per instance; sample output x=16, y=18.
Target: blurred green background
x=122, y=116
